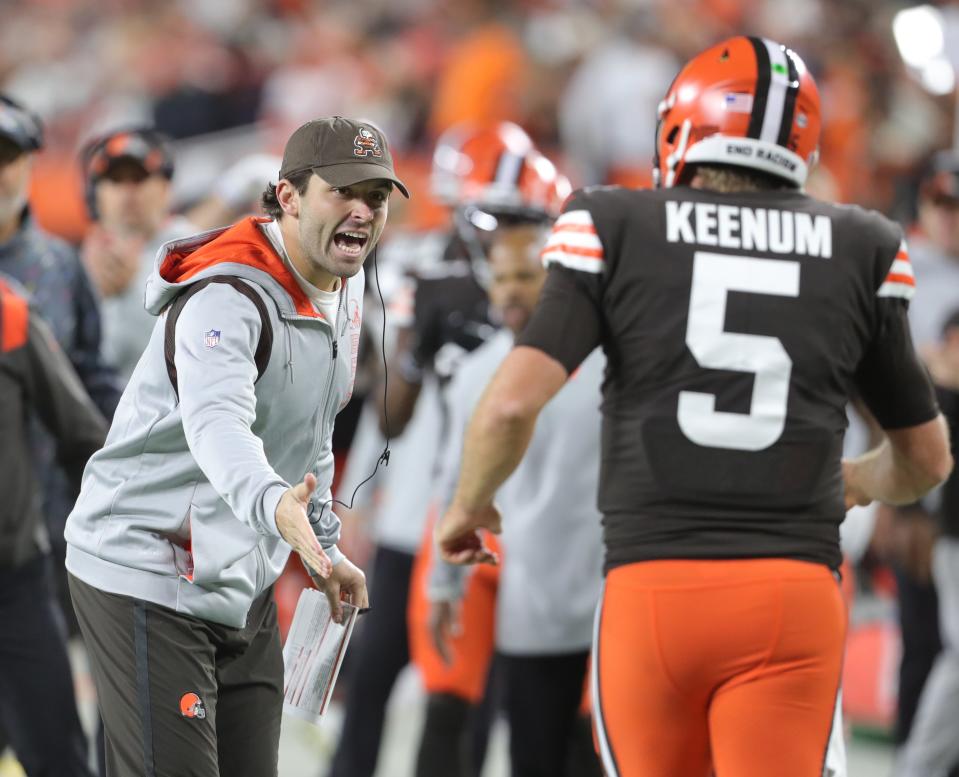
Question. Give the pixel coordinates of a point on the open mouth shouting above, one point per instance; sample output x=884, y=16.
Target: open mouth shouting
x=350, y=242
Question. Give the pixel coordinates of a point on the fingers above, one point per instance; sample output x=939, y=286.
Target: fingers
x=469, y=549
x=442, y=645
x=470, y=556
x=332, y=591
x=440, y=631
x=312, y=553
x=303, y=490
x=359, y=596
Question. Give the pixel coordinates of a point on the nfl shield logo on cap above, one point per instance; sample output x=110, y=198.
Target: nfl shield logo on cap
x=212, y=338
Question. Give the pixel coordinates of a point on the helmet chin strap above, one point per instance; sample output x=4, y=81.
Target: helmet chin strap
x=468, y=234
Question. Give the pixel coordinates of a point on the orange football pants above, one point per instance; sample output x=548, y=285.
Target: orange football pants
x=729, y=665
x=472, y=649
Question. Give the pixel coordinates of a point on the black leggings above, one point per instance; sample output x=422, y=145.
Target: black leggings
x=38, y=711
x=548, y=735
x=376, y=657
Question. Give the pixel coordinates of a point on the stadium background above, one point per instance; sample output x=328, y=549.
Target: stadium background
x=227, y=78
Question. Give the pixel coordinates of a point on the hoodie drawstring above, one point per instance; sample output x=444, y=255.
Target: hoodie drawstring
x=289, y=346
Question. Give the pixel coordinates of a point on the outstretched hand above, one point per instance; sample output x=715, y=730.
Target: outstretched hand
x=459, y=539
x=294, y=526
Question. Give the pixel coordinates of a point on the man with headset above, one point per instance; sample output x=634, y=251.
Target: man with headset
x=128, y=185
x=220, y=461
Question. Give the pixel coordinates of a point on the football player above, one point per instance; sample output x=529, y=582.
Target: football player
x=737, y=315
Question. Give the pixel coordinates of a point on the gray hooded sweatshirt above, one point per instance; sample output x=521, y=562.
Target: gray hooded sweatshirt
x=178, y=508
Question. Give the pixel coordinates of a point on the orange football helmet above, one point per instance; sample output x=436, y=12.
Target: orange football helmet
x=748, y=102
x=496, y=169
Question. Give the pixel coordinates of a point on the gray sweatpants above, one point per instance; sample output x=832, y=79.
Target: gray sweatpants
x=933, y=745
x=179, y=696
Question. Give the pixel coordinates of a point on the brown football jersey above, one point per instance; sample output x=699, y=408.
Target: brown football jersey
x=736, y=327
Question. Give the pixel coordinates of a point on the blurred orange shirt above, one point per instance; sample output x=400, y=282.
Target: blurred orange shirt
x=482, y=81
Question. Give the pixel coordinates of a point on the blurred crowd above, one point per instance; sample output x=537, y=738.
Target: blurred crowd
x=582, y=77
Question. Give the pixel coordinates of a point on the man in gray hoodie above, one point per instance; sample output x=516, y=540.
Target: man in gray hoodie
x=219, y=461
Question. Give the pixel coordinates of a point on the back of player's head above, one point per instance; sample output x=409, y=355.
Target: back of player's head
x=498, y=170
x=746, y=102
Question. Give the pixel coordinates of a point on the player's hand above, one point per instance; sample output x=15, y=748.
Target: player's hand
x=445, y=624
x=458, y=534
x=294, y=526
x=111, y=260
x=855, y=496
x=942, y=360
x=347, y=580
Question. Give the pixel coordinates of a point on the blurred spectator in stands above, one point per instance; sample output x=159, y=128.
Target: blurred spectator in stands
x=52, y=274
x=608, y=112
x=37, y=705
x=486, y=68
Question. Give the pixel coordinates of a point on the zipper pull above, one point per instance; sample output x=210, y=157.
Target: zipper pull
x=335, y=349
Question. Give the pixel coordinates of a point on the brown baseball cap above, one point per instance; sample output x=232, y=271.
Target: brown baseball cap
x=342, y=151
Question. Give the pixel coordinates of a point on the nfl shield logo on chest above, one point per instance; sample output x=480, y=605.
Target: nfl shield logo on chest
x=211, y=339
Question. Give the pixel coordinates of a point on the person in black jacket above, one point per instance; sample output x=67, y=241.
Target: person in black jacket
x=37, y=706
x=51, y=273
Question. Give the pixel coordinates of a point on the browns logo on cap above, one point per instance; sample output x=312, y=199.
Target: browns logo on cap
x=341, y=151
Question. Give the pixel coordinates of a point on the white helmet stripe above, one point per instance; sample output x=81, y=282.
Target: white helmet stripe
x=776, y=96
x=508, y=169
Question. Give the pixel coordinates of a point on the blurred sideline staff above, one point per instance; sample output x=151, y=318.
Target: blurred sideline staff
x=128, y=186
x=485, y=176
x=37, y=704
x=926, y=535
x=60, y=290
x=128, y=176
x=542, y=627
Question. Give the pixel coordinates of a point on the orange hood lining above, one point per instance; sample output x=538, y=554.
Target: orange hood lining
x=243, y=243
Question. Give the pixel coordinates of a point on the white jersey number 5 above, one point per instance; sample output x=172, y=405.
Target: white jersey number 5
x=714, y=276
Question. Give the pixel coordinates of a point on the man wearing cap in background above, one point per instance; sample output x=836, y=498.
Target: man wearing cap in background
x=127, y=176
x=220, y=461
x=53, y=276
x=128, y=189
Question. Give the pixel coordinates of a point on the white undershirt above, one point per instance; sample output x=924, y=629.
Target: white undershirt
x=324, y=302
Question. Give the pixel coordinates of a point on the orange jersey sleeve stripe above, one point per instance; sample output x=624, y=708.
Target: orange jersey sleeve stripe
x=591, y=253
x=587, y=228
x=14, y=318
x=900, y=278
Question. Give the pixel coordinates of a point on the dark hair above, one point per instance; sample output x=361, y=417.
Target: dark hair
x=733, y=178
x=268, y=201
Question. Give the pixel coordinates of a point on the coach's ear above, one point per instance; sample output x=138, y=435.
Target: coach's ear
x=288, y=197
